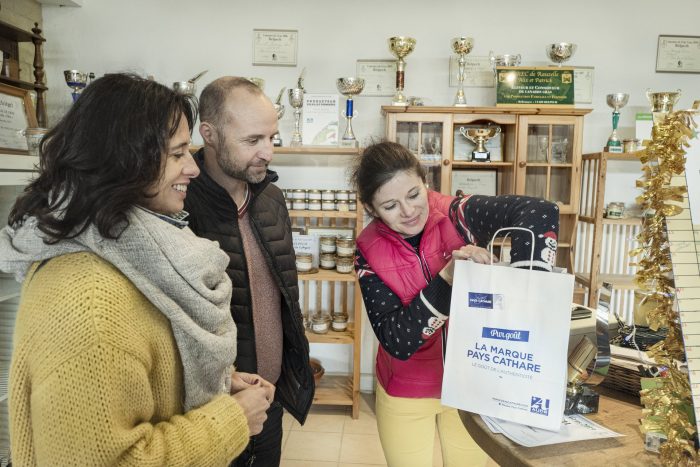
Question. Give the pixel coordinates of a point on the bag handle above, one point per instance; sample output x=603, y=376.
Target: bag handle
x=532, y=234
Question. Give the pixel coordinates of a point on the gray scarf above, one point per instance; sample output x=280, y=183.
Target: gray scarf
x=184, y=276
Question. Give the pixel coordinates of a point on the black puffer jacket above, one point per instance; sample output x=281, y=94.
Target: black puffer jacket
x=214, y=215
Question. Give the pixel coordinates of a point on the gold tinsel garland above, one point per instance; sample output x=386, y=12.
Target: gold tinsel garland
x=665, y=405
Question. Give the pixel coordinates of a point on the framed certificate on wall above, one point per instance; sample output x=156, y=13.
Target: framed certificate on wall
x=474, y=182
x=678, y=54
x=379, y=76
x=275, y=47
x=16, y=114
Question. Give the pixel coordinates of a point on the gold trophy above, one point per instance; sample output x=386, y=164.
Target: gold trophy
x=461, y=46
x=400, y=46
x=480, y=136
x=662, y=103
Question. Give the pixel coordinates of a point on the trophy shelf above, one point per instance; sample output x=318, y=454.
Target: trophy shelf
x=487, y=111
x=478, y=165
x=333, y=337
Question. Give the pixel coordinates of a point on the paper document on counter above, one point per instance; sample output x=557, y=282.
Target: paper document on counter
x=573, y=428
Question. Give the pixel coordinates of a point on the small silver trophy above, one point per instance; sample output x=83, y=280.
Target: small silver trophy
x=349, y=87
x=76, y=80
x=400, y=46
x=279, y=108
x=616, y=101
x=461, y=46
x=480, y=136
x=503, y=60
x=560, y=52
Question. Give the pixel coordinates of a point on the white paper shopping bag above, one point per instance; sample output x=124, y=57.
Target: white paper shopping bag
x=507, y=343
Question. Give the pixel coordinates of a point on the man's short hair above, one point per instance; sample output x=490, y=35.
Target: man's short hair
x=212, y=101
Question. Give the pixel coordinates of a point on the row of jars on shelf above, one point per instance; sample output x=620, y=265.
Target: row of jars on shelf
x=320, y=323
x=321, y=200
x=335, y=253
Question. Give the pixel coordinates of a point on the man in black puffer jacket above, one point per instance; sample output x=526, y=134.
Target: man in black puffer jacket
x=235, y=203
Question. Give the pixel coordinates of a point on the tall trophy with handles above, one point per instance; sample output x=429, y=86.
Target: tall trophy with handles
x=617, y=101
x=400, y=46
x=349, y=87
x=479, y=136
x=296, y=100
x=461, y=46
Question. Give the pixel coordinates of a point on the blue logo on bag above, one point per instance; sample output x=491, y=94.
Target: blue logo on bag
x=506, y=334
x=481, y=300
x=539, y=405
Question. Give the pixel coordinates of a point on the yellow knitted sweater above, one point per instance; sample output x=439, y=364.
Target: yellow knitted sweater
x=96, y=378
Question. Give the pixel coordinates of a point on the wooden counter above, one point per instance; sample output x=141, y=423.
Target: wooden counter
x=618, y=411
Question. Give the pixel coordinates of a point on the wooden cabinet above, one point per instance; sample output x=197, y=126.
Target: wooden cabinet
x=605, y=243
x=329, y=291
x=538, y=153
x=10, y=36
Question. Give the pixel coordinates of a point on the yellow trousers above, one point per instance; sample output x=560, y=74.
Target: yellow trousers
x=407, y=432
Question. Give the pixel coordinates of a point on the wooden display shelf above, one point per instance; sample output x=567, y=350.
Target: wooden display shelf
x=481, y=165
x=485, y=110
x=333, y=337
x=327, y=214
x=323, y=150
x=327, y=275
x=18, y=83
x=334, y=390
x=619, y=281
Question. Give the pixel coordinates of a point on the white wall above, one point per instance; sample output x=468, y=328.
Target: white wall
x=174, y=39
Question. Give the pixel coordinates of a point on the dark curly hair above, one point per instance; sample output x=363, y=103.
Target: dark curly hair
x=378, y=164
x=102, y=157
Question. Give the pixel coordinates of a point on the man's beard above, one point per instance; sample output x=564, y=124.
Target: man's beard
x=228, y=164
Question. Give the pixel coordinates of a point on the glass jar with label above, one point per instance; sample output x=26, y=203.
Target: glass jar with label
x=615, y=210
x=313, y=194
x=353, y=196
x=342, y=205
x=344, y=264
x=353, y=205
x=328, y=195
x=630, y=145
x=297, y=194
x=342, y=195
x=327, y=261
x=345, y=246
x=304, y=262
x=327, y=243
x=340, y=322
x=328, y=205
x=320, y=323
x=299, y=204
x=313, y=204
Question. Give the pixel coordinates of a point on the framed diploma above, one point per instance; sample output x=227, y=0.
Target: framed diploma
x=678, y=54
x=379, y=75
x=478, y=72
x=583, y=84
x=275, y=47
x=474, y=182
x=16, y=114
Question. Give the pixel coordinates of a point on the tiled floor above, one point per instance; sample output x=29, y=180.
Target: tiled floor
x=331, y=438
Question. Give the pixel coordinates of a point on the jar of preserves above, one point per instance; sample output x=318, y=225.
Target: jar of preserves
x=328, y=195
x=313, y=204
x=342, y=195
x=345, y=246
x=328, y=205
x=313, y=194
x=299, y=204
x=342, y=205
x=297, y=194
x=327, y=261
x=340, y=322
x=328, y=243
x=320, y=324
x=344, y=264
x=304, y=262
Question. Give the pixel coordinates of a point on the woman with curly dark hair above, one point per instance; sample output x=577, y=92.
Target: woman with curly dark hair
x=123, y=345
